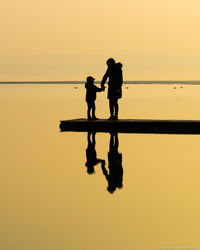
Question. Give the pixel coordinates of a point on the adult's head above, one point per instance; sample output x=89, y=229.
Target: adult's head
x=110, y=62
x=111, y=188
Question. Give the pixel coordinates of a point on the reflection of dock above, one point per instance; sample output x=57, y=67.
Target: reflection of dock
x=133, y=126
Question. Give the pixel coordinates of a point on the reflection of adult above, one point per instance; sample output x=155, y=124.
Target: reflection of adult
x=115, y=176
x=91, y=154
x=114, y=73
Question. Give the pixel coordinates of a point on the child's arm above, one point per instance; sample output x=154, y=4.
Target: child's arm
x=99, y=89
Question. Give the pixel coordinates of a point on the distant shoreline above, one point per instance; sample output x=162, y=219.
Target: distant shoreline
x=98, y=82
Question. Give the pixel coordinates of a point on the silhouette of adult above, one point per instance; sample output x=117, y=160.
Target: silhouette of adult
x=114, y=73
x=91, y=154
x=115, y=175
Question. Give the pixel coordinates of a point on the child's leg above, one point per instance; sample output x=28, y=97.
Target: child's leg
x=116, y=141
x=93, y=110
x=111, y=105
x=116, y=108
x=89, y=109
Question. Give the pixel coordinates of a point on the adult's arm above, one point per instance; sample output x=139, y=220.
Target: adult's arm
x=104, y=170
x=105, y=77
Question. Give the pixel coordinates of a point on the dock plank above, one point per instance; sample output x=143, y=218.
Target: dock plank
x=132, y=126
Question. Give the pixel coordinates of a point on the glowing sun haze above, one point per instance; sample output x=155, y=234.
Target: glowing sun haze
x=67, y=40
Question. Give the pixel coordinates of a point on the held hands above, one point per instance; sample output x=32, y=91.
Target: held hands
x=102, y=88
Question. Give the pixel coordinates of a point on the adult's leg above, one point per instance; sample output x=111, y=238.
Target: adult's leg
x=111, y=142
x=93, y=139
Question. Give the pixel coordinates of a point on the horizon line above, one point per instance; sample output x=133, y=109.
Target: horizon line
x=97, y=81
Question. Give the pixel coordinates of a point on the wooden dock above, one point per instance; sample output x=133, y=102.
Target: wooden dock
x=132, y=126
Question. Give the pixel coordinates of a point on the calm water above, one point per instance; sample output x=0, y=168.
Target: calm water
x=50, y=202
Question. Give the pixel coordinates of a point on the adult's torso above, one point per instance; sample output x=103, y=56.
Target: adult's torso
x=115, y=77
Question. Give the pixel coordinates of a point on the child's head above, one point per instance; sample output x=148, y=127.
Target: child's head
x=90, y=168
x=90, y=79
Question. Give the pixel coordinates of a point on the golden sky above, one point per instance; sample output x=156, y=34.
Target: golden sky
x=69, y=39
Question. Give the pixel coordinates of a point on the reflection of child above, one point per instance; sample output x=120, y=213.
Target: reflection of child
x=91, y=154
x=91, y=90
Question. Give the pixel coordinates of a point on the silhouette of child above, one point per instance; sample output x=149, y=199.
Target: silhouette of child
x=91, y=90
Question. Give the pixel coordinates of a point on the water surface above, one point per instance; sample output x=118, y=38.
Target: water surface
x=50, y=202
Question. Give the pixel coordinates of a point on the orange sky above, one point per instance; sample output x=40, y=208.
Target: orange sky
x=67, y=40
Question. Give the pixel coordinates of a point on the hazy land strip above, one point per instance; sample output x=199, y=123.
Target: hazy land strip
x=98, y=82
